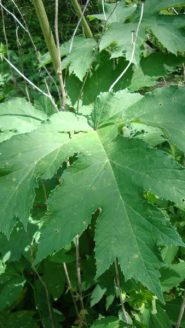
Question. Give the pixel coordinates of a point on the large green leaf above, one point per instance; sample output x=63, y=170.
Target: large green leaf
x=118, y=38
x=167, y=29
x=74, y=51
x=112, y=173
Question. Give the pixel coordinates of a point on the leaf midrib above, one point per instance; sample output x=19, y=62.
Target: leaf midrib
x=117, y=187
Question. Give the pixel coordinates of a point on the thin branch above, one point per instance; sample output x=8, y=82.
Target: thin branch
x=35, y=47
x=77, y=26
x=103, y=8
x=71, y=289
x=79, y=13
x=7, y=46
x=25, y=78
x=26, y=26
x=51, y=98
x=21, y=62
x=29, y=82
x=134, y=41
x=78, y=270
x=16, y=19
x=47, y=296
x=118, y=285
x=4, y=29
x=59, y=70
x=8, y=59
x=181, y=312
x=111, y=13
x=175, y=11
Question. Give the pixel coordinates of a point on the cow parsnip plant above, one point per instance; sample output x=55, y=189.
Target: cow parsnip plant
x=93, y=196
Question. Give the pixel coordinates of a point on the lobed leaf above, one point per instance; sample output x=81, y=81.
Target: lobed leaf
x=121, y=169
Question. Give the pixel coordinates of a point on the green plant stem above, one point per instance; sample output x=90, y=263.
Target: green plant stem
x=50, y=42
x=78, y=10
x=71, y=289
x=46, y=30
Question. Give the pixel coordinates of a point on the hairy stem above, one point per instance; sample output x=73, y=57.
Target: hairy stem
x=34, y=46
x=78, y=10
x=50, y=42
x=59, y=71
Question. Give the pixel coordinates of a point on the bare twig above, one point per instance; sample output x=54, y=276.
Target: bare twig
x=25, y=78
x=21, y=63
x=175, y=11
x=7, y=46
x=16, y=19
x=181, y=312
x=35, y=47
x=29, y=82
x=71, y=289
x=103, y=8
x=111, y=13
x=51, y=98
x=26, y=27
x=134, y=41
x=118, y=285
x=77, y=26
